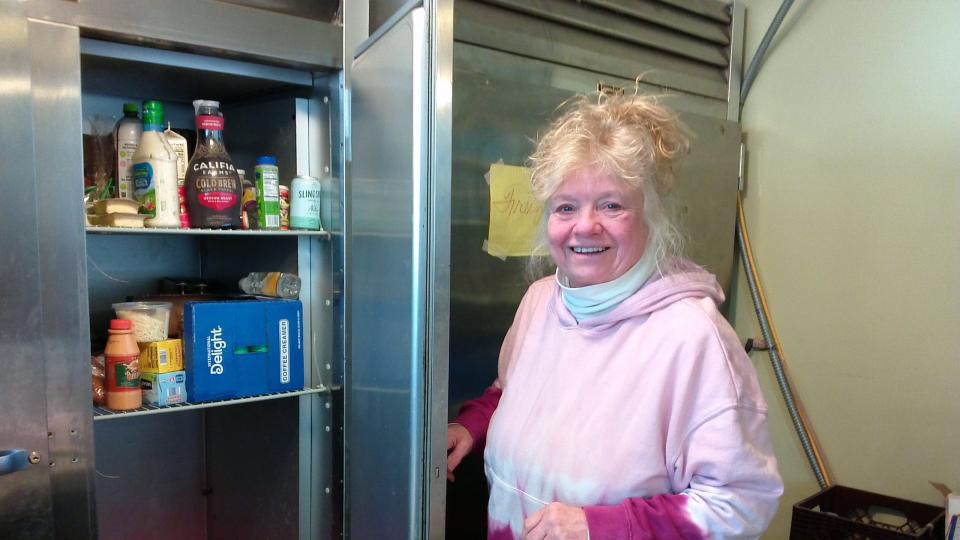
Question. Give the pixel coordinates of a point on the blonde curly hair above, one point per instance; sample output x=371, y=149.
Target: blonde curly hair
x=632, y=137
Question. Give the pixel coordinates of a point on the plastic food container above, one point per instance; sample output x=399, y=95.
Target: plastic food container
x=150, y=319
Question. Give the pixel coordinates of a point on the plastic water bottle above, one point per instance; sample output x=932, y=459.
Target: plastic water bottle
x=127, y=134
x=278, y=284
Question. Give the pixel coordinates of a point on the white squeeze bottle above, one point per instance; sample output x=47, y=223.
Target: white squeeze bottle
x=127, y=136
x=155, y=172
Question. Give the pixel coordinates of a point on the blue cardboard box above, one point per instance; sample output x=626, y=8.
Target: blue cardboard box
x=242, y=348
x=163, y=388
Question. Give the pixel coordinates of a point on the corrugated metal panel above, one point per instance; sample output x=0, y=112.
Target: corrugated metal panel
x=670, y=17
x=681, y=47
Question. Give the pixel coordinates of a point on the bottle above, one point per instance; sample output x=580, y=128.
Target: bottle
x=122, y=361
x=284, y=208
x=155, y=171
x=268, y=192
x=179, y=144
x=248, y=204
x=127, y=137
x=213, y=187
x=305, y=203
x=278, y=284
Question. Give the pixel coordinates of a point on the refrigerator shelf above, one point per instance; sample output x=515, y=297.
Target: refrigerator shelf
x=102, y=413
x=94, y=229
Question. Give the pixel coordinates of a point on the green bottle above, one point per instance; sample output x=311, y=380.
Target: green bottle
x=267, y=177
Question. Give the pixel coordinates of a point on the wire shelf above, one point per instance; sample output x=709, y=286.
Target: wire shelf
x=103, y=413
x=97, y=229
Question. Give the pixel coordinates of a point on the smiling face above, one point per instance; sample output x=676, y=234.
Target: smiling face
x=595, y=228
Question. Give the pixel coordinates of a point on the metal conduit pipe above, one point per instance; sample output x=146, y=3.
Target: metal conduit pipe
x=777, y=358
x=762, y=49
x=800, y=422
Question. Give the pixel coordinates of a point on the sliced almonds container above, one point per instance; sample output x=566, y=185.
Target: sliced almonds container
x=150, y=319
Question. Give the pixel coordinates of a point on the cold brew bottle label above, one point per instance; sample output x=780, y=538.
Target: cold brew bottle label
x=209, y=122
x=215, y=182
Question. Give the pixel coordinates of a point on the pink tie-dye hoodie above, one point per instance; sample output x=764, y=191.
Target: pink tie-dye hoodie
x=649, y=417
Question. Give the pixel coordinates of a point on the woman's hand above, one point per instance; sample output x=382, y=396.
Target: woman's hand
x=556, y=521
x=459, y=444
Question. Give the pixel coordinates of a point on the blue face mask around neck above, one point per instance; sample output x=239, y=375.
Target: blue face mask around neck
x=593, y=300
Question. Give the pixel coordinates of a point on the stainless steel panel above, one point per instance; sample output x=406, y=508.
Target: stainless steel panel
x=203, y=26
x=440, y=107
x=322, y=10
x=316, y=263
x=620, y=27
x=706, y=193
x=25, y=496
x=252, y=470
x=55, y=54
x=150, y=477
x=533, y=36
x=335, y=221
x=316, y=269
x=315, y=467
x=382, y=10
x=195, y=62
x=713, y=9
x=735, y=71
x=676, y=19
x=485, y=63
x=385, y=393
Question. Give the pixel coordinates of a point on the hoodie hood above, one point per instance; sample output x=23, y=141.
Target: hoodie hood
x=682, y=279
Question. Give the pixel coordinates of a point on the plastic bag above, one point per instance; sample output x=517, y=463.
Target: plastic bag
x=98, y=157
x=98, y=371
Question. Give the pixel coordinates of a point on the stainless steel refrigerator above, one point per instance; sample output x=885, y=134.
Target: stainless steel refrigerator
x=429, y=306
x=403, y=310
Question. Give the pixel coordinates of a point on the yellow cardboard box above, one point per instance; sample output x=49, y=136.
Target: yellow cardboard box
x=162, y=356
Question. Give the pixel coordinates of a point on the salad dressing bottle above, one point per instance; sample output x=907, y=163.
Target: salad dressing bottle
x=155, y=171
x=122, y=362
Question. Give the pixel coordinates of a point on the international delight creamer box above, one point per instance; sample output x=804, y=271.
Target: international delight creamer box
x=242, y=348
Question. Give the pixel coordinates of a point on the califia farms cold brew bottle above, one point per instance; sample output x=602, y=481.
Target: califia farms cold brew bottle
x=213, y=188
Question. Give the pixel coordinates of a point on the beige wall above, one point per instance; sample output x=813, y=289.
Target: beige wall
x=853, y=206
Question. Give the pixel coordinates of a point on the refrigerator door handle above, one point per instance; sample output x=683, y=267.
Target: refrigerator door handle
x=13, y=460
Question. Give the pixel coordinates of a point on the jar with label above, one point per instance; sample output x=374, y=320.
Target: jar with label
x=248, y=204
x=305, y=196
x=122, y=361
x=267, y=178
x=284, y=208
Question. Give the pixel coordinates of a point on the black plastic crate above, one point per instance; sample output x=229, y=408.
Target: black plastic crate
x=843, y=513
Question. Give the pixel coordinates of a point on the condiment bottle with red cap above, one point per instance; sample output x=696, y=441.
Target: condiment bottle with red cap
x=122, y=356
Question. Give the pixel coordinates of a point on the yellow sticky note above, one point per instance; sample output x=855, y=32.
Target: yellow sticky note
x=514, y=213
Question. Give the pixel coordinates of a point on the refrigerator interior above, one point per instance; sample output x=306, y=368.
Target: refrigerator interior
x=255, y=469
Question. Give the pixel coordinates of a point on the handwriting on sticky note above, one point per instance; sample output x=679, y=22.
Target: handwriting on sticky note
x=512, y=204
x=514, y=213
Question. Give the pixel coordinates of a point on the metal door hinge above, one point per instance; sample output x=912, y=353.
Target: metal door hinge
x=741, y=172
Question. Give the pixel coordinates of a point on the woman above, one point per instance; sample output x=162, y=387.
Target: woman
x=624, y=406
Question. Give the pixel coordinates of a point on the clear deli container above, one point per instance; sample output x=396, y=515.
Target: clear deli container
x=150, y=320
